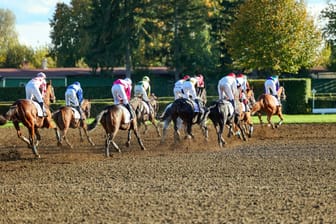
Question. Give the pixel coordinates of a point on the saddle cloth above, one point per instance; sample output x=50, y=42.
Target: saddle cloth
x=38, y=108
x=276, y=101
x=76, y=113
x=146, y=106
x=126, y=113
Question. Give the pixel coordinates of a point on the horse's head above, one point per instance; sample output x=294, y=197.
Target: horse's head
x=50, y=94
x=250, y=97
x=282, y=93
x=86, y=107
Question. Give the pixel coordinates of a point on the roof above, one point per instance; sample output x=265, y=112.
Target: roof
x=61, y=72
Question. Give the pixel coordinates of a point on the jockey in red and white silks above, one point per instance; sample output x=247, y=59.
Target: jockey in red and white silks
x=121, y=92
x=227, y=88
x=36, y=89
x=189, y=92
x=243, y=86
x=178, y=86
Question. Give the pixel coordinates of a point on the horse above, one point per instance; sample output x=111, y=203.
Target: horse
x=114, y=118
x=66, y=117
x=26, y=112
x=268, y=104
x=143, y=115
x=183, y=110
x=245, y=115
x=221, y=115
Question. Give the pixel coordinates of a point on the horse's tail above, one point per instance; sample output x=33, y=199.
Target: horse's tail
x=94, y=124
x=9, y=114
x=166, y=113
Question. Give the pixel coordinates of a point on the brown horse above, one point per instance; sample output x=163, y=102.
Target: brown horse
x=24, y=111
x=66, y=118
x=114, y=118
x=268, y=104
x=245, y=115
x=142, y=113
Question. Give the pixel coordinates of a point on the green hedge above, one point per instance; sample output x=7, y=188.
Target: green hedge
x=298, y=93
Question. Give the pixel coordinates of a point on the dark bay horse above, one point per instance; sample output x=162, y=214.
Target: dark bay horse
x=183, y=110
x=268, y=104
x=166, y=117
x=221, y=116
x=142, y=114
x=65, y=118
x=24, y=111
x=114, y=118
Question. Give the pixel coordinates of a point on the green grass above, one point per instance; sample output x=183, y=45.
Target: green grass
x=288, y=119
x=301, y=118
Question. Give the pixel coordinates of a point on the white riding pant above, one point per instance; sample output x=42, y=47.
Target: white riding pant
x=71, y=98
x=140, y=91
x=119, y=94
x=33, y=92
x=270, y=87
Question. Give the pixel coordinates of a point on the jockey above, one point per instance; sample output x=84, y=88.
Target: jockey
x=189, y=92
x=178, y=92
x=272, y=86
x=243, y=86
x=121, y=92
x=227, y=88
x=200, y=84
x=142, y=89
x=36, y=89
x=74, y=97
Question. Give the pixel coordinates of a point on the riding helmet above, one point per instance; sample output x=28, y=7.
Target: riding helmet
x=128, y=80
x=146, y=78
x=41, y=74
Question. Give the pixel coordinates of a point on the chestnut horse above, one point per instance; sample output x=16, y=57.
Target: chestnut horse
x=142, y=114
x=24, y=111
x=66, y=118
x=268, y=104
x=245, y=115
x=114, y=118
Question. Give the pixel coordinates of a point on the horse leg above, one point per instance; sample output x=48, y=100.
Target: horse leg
x=32, y=139
x=164, y=129
x=136, y=132
x=107, y=144
x=87, y=135
x=64, y=133
x=20, y=135
x=155, y=124
x=38, y=137
x=176, y=131
x=280, y=116
x=58, y=137
x=269, y=116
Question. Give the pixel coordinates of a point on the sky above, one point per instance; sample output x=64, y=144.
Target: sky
x=32, y=18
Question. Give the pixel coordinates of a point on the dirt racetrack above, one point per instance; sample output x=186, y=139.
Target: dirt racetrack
x=287, y=175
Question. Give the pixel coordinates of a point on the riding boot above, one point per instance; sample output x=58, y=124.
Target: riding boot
x=149, y=106
x=79, y=109
x=200, y=107
x=233, y=105
x=44, y=113
x=128, y=107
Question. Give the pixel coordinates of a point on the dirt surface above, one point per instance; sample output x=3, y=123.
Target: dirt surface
x=287, y=175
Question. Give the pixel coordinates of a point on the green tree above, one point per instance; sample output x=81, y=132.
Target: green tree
x=273, y=36
x=329, y=32
x=8, y=37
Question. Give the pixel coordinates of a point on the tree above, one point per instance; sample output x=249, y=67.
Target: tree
x=8, y=37
x=329, y=32
x=273, y=36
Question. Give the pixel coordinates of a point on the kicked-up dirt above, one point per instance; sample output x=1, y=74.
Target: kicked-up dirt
x=286, y=175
